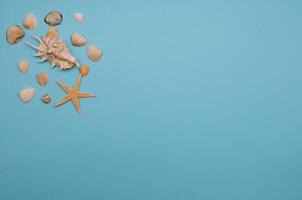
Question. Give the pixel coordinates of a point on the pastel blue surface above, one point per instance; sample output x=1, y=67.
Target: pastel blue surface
x=195, y=100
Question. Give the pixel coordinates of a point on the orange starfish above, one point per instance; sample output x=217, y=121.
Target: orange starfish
x=73, y=94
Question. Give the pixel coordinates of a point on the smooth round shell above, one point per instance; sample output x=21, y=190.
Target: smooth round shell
x=53, y=18
x=14, y=33
x=52, y=32
x=78, y=17
x=84, y=70
x=23, y=65
x=45, y=98
x=30, y=21
x=26, y=94
x=93, y=52
x=42, y=78
x=78, y=39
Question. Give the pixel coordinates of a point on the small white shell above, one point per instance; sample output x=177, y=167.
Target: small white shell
x=23, y=65
x=26, y=94
x=93, y=52
x=78, y=17
x=30, y=21
x=78, y=39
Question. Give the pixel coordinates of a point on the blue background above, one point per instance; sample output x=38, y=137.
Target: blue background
x=195, y=100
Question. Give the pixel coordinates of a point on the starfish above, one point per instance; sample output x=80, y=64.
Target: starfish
x=73, y=94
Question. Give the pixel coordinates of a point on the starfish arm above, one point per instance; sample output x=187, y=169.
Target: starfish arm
x=84, y=95
x=63, y=86
x=77, y=84
x=76, y=104
x=62, y=101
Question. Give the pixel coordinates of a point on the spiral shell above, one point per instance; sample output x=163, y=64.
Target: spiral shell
x=45, y=98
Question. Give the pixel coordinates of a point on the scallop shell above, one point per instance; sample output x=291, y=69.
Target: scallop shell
x=42, y=78
x=14, y=33
x=26, y=94
x=78, y=39
x=23, y=65
x=30, y=21
x=53, y=18
x=45, y=98
x=93, y=52
x=84, y=70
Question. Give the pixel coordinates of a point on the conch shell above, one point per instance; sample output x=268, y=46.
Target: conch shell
x=54, y=51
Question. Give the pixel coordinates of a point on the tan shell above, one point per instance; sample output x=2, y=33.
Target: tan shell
x=26, y=94
x=23, y=65
x=53, y=18
x=42, y=78
x=30, y=21
x=84, y=70
x=45, y=98
x=93, y=52
x=52, y=32
x=78, y=39
x=14, y=33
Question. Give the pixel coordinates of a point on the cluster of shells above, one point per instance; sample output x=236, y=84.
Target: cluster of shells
x=15, y=33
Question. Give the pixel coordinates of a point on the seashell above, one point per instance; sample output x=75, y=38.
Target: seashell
x=14, y=33
x=78, y=39
x=93, y=52
x=23, y=65
x=30, y=21
x=78, y=17
x=84, y=70
x=54, y=51
x=42, y=78
x=26, y=94
x=52, y=32
x=53, y=18
x=45, y=98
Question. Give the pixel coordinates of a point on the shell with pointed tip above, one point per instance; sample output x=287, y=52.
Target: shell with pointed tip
x=55, y=51
x=42, y=78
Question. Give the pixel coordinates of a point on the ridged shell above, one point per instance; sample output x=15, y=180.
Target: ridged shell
x=42, y=78
x=23, y=65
